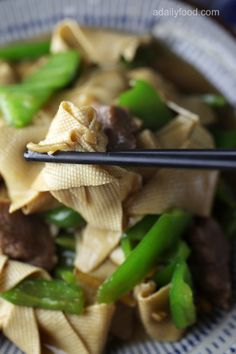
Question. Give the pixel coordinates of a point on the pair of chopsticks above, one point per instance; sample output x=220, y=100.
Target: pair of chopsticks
x=216, y=159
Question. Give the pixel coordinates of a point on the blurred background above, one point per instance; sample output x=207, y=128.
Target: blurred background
x=226, y=7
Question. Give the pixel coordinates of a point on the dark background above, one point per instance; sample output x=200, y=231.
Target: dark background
x=227, y=9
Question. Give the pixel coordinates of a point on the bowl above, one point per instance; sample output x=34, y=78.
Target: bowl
x=205, y=48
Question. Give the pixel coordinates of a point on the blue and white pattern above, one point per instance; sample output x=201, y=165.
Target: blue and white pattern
x=198, y=40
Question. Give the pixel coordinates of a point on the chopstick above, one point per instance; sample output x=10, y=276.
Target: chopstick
x=218, y=159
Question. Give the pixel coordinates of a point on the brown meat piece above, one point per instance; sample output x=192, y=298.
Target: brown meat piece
x=26, y=238
x=118, y=126
x=210, y=261
x=123, y=322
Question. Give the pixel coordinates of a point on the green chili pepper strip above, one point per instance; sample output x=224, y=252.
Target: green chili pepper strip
x=181, y=297
x=19, y=103
x=163, y=276
x=66, y=274
x=224, y=139
x=56, y=73
x=136, y=233
x=64, y=217
x=162, y=236
x=145, y=103
x=66, y=242
x=15, y=52
x=215, y=101
x=47, y=294
x=126, y=245
x=60, y=272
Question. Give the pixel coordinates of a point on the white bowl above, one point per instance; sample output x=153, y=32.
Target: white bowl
x=198, y=40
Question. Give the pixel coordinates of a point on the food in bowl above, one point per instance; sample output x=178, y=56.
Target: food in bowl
x=89, y=253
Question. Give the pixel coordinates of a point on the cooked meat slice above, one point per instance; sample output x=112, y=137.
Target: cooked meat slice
x=123, y=322
x=26, y=238
x=210, y=261
x=118, y=125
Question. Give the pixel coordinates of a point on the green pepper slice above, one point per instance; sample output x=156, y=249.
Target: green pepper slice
x=214, y=100
x=144, y=102
x=164, y=276
x=64, y=217
x=47, y=294
x=19, y=103
x=23, y=51
x=162, y=236
x=224, y=139
x=182, y=306
x=66, y=274
x=136, y=233
x=58, y=72
x=66, y=241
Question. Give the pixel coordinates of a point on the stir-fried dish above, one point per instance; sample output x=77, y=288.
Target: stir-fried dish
x=91, y=254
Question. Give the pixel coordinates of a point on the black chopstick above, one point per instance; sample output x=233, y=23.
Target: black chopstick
x=218, y=159
x=203, y=153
